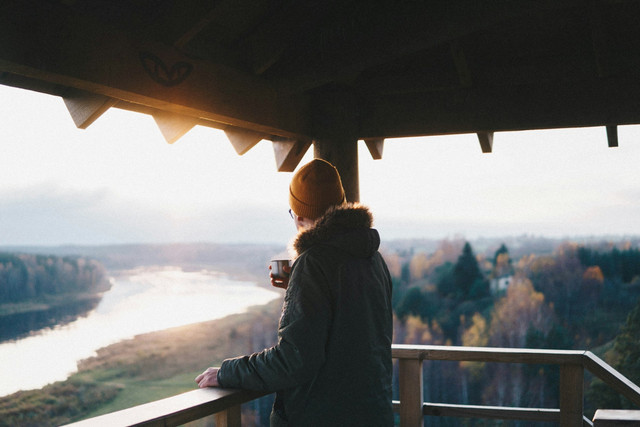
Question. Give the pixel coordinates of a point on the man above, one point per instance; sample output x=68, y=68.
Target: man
x=332, y=363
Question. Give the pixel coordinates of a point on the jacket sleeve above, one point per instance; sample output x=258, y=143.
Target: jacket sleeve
x=302, y=335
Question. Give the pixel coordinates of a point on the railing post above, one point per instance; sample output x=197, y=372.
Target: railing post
x=411, y=393
x=229, y=417
x=571, y=395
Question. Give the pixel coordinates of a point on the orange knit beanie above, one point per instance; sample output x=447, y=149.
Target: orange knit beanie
x=314, y=188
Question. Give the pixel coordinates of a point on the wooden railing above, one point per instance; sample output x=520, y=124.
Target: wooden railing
x=572, y=365
x=226, y=403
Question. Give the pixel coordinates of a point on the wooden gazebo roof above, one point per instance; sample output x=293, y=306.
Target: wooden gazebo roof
x=302, y=72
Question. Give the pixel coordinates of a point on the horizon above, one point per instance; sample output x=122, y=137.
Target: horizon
x=119, y=182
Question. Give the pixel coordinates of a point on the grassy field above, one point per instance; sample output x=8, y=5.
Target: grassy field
x=143, y=369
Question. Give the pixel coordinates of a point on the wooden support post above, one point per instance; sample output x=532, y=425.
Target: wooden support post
x=288, y=153
x=229, y=417
x=612, y=136
x=343, y=154
x=85, y=107
x=173, y=126
x=411, y=395
x=486, y=141
x=571, y=395
x=375, y=147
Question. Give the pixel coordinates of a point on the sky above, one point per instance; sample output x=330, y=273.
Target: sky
x=119, y=182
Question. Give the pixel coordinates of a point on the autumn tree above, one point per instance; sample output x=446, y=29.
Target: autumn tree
x=519, y=310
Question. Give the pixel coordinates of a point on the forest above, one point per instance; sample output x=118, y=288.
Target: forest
x=577, y=297
x=28, y=277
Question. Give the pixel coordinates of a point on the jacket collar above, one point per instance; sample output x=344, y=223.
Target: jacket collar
x=337, y=220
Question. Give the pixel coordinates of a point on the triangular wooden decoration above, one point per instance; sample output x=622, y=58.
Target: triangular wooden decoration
x=288, y=153
x=375, y=147
x=243, y=140
x=86, y=107
x=612, y=136
x=486, y=141
x=173, y=126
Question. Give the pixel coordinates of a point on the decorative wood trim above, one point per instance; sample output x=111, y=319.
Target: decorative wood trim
x=288, y=153
x=486, y=141
x=612, y=136
x=85, y=107
x=173, y=126
x=243, y=140
x=375, y=146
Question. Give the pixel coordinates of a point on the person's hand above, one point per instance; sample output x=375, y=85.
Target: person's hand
x=208, y=378
x=278, y=282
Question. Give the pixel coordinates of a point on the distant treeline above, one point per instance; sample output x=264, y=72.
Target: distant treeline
x=26, y=276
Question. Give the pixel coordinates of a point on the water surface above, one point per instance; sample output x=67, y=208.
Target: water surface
x=140, y=301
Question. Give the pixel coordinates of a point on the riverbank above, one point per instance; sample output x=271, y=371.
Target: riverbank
x=142, y=369
x=47, y=302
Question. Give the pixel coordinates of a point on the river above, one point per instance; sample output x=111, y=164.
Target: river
x=139, y=301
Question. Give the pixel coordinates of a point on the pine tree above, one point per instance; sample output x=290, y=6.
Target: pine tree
x=465, y=272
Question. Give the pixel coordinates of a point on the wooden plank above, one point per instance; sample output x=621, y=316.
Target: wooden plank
x=173, y=126
x=85, y=107
x=460, y=61
x=486, y=141
x=571, y=395
x=288, y=153
x=375, y=146
x=175, y=410
x=411, y=393
x=616, y=417
x=612, y=136
x=243, y=140
x=74, y=53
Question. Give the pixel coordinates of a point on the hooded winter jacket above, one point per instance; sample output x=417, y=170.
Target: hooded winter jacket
x=332, y=363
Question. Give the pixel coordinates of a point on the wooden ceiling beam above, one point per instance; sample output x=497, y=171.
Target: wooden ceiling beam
x=74, y=53
x=422, y=29
x=508, y=108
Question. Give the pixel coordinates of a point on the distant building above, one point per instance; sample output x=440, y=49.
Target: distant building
x=500, y=284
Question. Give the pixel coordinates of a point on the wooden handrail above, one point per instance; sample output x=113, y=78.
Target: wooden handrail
x=225, y=403
x=177, y=410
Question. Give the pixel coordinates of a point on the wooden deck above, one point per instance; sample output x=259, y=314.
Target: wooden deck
x=225, y=403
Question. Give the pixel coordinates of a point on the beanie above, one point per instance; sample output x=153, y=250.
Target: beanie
x=314, y=188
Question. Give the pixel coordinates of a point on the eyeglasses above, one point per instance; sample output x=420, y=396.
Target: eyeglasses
x=291, y=214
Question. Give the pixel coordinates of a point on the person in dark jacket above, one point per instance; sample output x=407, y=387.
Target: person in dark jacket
x=332, y=363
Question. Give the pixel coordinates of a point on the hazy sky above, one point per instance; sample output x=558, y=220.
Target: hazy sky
x=120, y=182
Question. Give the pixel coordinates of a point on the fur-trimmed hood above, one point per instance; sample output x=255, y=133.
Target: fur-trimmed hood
x=346, y=226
